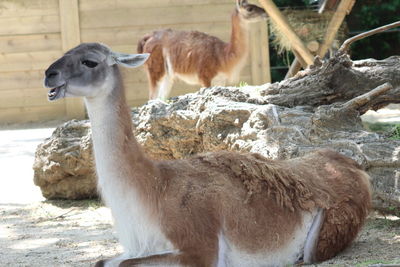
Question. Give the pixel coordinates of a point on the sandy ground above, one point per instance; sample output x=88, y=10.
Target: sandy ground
x=390, y=114
x=65, y=233
x=34, y=232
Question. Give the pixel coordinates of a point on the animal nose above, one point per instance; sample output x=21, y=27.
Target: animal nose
x=52, y=73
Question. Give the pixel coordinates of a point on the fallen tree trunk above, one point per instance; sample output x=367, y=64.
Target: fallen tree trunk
x=338, y=79
x=319, y=108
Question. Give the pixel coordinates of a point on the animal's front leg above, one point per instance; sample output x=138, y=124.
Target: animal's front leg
x=113, y=262
x=167, y=259
x=195, y=258
x=164, y=87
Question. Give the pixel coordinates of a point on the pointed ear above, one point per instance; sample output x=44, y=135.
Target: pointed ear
x=130, y=60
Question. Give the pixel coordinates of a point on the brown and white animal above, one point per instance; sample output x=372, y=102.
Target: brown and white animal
x=196, y=57
x=215, y=209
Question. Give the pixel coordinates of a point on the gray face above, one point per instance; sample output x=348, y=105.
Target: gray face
x=85, y=71
x=251, y=13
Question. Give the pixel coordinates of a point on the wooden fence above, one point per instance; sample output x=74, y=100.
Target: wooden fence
x=35, y=33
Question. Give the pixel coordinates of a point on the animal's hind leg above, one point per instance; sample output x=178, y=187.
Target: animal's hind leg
x=206, y=78
x=152, y=86
x=164, y=87
x=156, y=82
x=113, y=261
x=340, y=227
x=155, y=67
x=193, y=257
x=168, y=259
x=310, y=246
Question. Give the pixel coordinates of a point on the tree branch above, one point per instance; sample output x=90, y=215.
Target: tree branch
x=362, y=100
x=346, y=44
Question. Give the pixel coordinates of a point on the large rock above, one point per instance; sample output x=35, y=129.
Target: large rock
x=240, y=119
x=63, y=165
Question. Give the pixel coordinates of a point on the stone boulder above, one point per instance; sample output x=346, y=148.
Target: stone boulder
x=63, y=166
x=247, y=119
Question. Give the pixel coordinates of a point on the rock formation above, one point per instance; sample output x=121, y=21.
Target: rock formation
x=318, y=108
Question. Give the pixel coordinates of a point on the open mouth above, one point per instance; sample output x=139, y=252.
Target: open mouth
x=56, y=93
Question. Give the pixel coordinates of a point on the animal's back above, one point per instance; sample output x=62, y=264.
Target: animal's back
x=185, y=51
x=251, y=207
x=349, y=207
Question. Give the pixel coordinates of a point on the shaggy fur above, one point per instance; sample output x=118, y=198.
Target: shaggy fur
x=214, y=209
x=196, y=57
x=254, y=188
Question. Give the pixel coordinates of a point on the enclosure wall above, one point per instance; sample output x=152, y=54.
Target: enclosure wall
x=35, y=33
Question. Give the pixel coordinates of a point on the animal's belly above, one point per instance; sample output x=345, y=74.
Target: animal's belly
x=189, y=78
x=230, y=256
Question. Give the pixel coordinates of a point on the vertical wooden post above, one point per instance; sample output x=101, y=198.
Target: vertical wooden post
x=255, y=54
x=265, y=60
x=259, y=53
x=71, y=37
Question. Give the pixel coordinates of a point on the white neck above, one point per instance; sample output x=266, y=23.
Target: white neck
x=119, y=158
x=237, y=49
x=126, y=178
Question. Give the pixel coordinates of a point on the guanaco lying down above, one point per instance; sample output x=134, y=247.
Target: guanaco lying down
x=214, y=209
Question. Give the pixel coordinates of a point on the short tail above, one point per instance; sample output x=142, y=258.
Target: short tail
x=142, y=42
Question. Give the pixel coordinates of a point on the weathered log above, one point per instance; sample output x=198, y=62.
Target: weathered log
x=337, y=80
x=248, y=119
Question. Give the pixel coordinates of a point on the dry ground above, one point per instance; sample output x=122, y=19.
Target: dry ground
x=34, y=232
x=77, y=233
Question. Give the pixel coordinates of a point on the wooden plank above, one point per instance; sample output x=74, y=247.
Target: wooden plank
x=69, y=21
x=31, y=114
x=130, y=75
x=23, y=8
x=27, y=61
x=30, y=97
x=30, y=40
x=137, y=93
x=135, y=90
x=71, y=37
x=30, y=43
x=154, y=16
x=131, y=34
x=29, y=25
x=21, y=79
x=86, y=5
x=286, y=29
x=137, y=102
x=138, y=75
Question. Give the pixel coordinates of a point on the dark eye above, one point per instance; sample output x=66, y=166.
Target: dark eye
x=250, y=9
x=89, y=63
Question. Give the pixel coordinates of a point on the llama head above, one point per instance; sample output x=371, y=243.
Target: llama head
x=249, y=12
x=87, y=71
